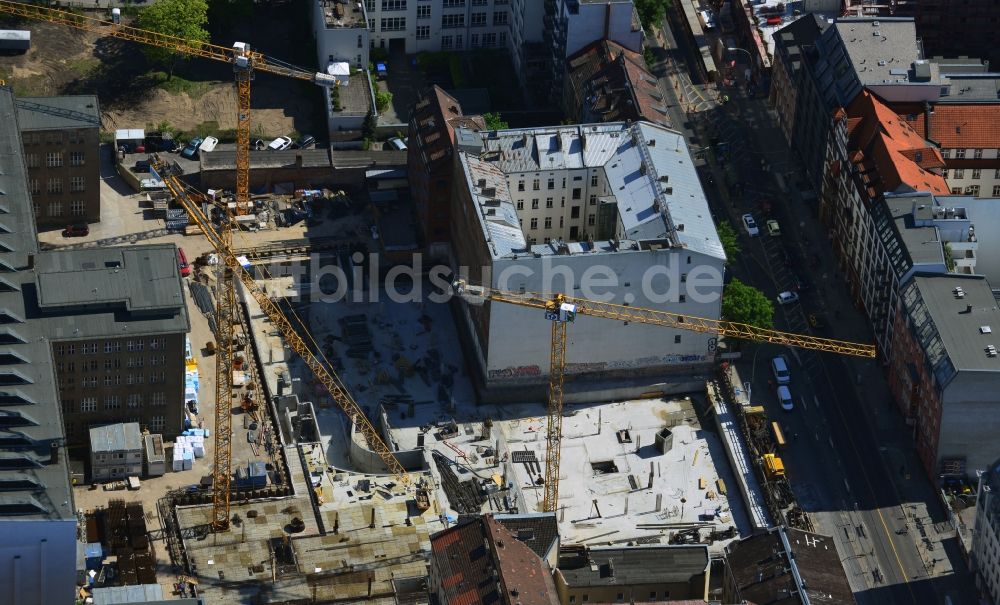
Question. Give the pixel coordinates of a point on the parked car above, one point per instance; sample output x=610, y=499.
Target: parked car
x=772, y=228
x=750, y=225
x=279, y=144
x=779, y=367
x=785, y=398
x=787, y=298
x=141, y=166
x=398, y=144
x=305, y=142
x=191, y=151
x=208, y=145
x=182, y=263
x=79, y=230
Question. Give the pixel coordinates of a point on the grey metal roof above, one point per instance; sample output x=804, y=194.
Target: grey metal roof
x=121, y=437
x=637, y=565
x=355, y=158
x=41, y=488
x=647, y=167
x=957, y=327
x=112, y=595
x=879, y=46
x=540, y=531
x=99, y=292
x=58, y=113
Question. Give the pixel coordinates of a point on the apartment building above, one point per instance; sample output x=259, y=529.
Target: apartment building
x=986, y=535
x=117, y=321
x=414, y=26
x=431, y=162
x=341, y=33
x=607, y=82
x=545, y=210
x=38, y=561
x=61, y=138
x=792, y=89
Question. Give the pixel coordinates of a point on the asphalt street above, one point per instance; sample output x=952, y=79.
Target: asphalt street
x=849, y=460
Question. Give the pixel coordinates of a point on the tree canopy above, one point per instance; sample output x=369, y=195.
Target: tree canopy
x=182, y=18
x=651, y=12
x=494, y=121
x=743, y=303
x=730, y=241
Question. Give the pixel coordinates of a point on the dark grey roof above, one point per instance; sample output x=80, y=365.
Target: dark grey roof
x=972, y=88
x=539, y=531
x=634, y=565
x=102, y=292
x=773, y=567
x=34, y=436
x=225, y=159
x=801, y=32
x=957, y=326
x=58, y=113
x=353, y=158
x=121, y=437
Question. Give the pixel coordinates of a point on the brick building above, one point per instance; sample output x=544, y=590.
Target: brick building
x=61, y=138
x=117, y=321
x=431, y=160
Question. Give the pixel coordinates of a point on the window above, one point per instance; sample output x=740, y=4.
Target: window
x=959, y=173
x=534, y=185
x=76, y=184
x=652, y=595
x=996, y=173
x=500, y=18
x=112, y=402
x=621, y=596
x=88, y=404
x=453, y=3
x=520, y=205
x=577, y=193
x=684, y=277
x=108, y=381
x=134, y=400
x=944, y=173
x=956, y=191
x=677, y=339
x=976, y=172
x=474, y=41
x=154, y=343
x=593, y=180
x=593, y=200
x=394, y=5
x=54, y=186
x=574, y=212
x=683, y=298
x=477, y=20
x=591, y=220
x=112, y=346
x=586, y=598
x=54, y=159
x=31, y=160
x=520, y=185
x=446, y=42
x=534, y=224
x=423, y=12
x=89, y=348
x=548, y=222
x=534, y=204
x=450, y=21
x=55, y=209
x=35, y=187
x=552, y=184
x=423, y=32
x=977, y=154
x=561, y=221
x=76, y=158
x=490, y=40
x=503, y=38
x=996, y=190
x=572, y=598
x=548, y=202
x=972, y=190
x=959, y=154
x=393, y=24
x=77, y=208
x=157, y=423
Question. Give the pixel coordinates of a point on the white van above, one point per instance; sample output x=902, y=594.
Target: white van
x=780, y=369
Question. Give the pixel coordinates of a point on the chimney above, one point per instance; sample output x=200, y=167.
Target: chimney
x=54, y=453
x=607, y=20
x=298, y=160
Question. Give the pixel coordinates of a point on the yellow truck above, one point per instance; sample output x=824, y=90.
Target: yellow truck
x=773, y=466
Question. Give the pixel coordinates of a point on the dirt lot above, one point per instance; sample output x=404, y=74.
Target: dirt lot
x=200, y=95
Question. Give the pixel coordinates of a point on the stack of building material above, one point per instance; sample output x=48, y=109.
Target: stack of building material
x=176, y=219
x=357, y=336
x=191, y=384
x=183, y=454
x=197, y=445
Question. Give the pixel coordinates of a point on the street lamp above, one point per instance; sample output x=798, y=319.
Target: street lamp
x=734, y=49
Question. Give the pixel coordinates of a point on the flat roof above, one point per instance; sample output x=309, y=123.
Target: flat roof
x=959, y=327
x=123, y=436
x=119, y=291
x=225, y=159
x=883, y=49
x=58, y=113
x=37, y=486
x=972, y=88
x=343, y=14
x=635, y=565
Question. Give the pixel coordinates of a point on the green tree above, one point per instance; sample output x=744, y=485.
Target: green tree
x=494, y=121
x=181, y=18
x=651, y=12
x=382, y=100
x=730, y=241
x=748, y=305
x=369, y=126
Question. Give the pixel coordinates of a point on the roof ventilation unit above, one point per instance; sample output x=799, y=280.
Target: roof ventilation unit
x=991, y=351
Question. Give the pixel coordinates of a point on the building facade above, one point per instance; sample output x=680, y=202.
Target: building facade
x=640, y=574
x=953, y=26
x=549, y=209
x=342, y=34
x=38, y=553
x=986, y=535
x=117, y=321
x=430, y=159
x=115, y=451
x=61, y=138
x=794, y=45
x=414, y=26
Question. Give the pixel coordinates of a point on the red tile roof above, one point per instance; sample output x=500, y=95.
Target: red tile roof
x=611, y=83
x=894, y=155
x=954, y=126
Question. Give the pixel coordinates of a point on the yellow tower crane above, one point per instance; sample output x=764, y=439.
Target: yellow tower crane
x=244, y=60
x=561, y=310
x=221, y=241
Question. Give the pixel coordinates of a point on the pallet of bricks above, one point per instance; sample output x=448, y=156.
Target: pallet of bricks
x=125, y=531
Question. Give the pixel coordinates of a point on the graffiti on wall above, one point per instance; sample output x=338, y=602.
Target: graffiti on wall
x=516, y=372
